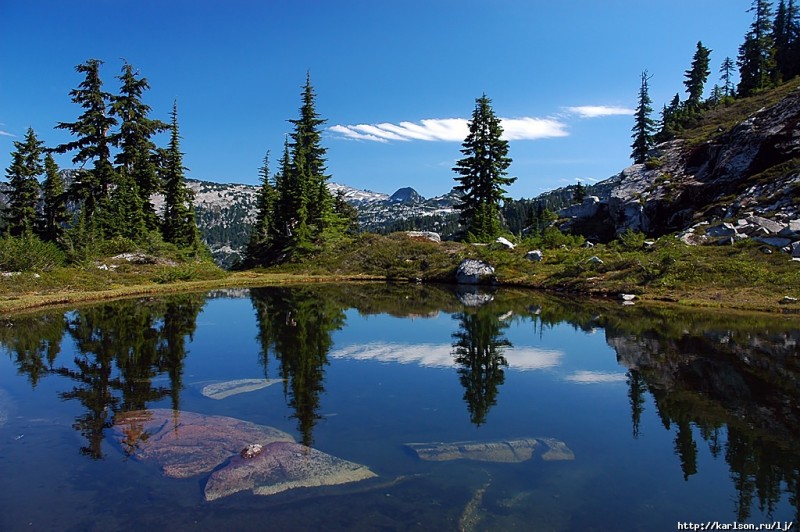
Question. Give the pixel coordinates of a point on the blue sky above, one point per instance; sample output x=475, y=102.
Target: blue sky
x=395, y=80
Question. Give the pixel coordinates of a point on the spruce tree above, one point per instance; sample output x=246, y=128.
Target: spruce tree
x=136, y=158
x=55, y=202
x=93, y=142
x=786, y=39
x=644, y=126
x=23, y=195
x=756, y=54
x=696, y=76
x=482, y=173
x=263, y=228
x=179, y=226
x=670, y=119
x=306, y=204
x=726, y=71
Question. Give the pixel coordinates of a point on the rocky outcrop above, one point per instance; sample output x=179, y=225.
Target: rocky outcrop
x=724, y=177
x=472, y=271
x=424, y=235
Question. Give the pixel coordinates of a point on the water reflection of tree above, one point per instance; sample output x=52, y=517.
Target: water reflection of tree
x=121, y=348
x=478, y=351
x=737, y=392
x=33, y=342
x=295, y=326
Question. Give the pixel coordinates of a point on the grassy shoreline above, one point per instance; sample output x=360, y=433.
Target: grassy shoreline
x=720, y=300
x=738, y=278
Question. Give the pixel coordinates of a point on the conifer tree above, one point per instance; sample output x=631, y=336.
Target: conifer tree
x=55, y=202
x=311, y=200
x=26, y=167
x=785, y=37
x=696, y=76
x=93, y=142
x=578, y=193
x=263, y=229
x=136, y=158
x=670, y=119
x=644, y=126
x=305, y=204
x=482, y=173
x=726, y=71
x=756, y=54
x=179, y=226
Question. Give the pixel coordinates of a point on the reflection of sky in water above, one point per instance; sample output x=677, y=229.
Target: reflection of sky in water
x=572, y=355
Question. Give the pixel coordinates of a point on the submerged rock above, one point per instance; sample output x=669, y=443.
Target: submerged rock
x=242, y=455
x=506, y=451
x=282, y=466
x=5, y=407
x=186, y=444
x=222, y=390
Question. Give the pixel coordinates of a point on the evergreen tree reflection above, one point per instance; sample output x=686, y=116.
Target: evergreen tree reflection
x=478, y=351
x=295, y=325
x=120, y=349
x=33, y=342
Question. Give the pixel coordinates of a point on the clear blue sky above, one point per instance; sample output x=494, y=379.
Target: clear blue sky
x=394, y=79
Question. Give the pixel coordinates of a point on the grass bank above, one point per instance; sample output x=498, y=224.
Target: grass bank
x=739, y=277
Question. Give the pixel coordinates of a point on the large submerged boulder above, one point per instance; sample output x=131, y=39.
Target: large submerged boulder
x=242, y=455
x=186, y=444
x=505, y=451
x=282, y=466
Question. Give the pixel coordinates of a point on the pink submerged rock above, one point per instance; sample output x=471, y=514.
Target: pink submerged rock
x=282, y=466
x=186, y=444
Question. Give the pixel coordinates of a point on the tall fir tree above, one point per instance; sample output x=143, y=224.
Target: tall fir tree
x=179, y=226
x=54, y=216
x=93, y=142
x=696, y=77
x=482, y=173
x=757, y=53
x=137, y=152
x=726, y=71
x=644, y=126
x=263, y=230
x=307, y=216
x=786, y=39
x=23, y=179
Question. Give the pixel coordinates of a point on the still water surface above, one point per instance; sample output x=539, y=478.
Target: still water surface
x=671, y=417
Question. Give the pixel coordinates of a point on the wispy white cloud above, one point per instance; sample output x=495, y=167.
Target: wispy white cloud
x=595, y=377
x=595, y=111
x=6, y=134
x=450, y=130
x=441, y=355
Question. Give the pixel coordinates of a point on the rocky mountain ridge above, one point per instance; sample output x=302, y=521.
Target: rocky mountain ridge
x=748, y=169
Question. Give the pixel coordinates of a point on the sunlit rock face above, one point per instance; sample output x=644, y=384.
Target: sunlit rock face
x=684, y=183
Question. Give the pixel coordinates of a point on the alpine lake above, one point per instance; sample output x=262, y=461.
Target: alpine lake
x=396, y=407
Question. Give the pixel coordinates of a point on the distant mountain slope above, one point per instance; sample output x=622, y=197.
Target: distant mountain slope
x=226, y=212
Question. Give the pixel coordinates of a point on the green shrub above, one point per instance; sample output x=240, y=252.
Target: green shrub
x=117, y=245
x=29, y=253
x=630, y=240
x=175, y=273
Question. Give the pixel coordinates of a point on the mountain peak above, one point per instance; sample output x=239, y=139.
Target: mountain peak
x=406, y=195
